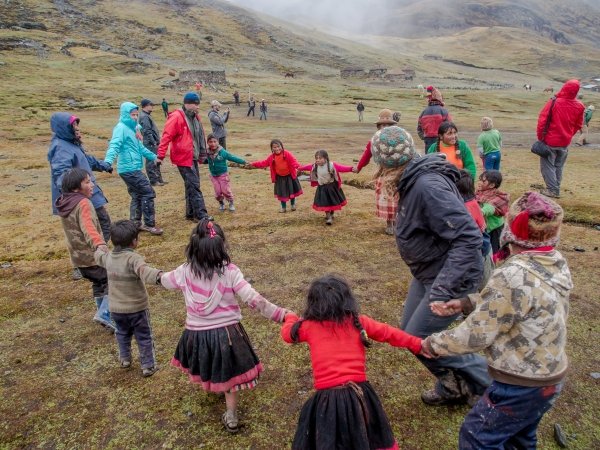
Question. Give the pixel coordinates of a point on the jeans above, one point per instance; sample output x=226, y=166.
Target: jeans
x=507, y=417
x=138, y=325
x=491, y=161
x=104, y=220
x=458, y=377
x=194, y=200
x=552, y=168
x=142, y=197
x=263, y=114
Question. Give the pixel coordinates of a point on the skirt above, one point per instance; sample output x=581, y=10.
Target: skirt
x=386, y=205
x=344, y=417
x=219, y=360
x=287, y=188
x=329, y=197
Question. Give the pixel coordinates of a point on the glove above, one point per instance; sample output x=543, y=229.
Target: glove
x=158, y=161
x=106, y=167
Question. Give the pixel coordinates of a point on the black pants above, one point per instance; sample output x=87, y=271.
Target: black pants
x=153, y=170
x=99, y=278
x=104, y=220
x=194, y=200
x=223, y=142
x=135, y=324
x=142, y=197
x=250, y=110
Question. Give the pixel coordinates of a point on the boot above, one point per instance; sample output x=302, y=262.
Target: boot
x=103, y=315
x=328, y=218
x=98, y=301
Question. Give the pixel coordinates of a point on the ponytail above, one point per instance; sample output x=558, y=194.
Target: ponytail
x=295, y=330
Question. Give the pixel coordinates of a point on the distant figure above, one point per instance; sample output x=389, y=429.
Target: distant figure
x=489, y=144
x=289, y=75
x=198, y=86
x=251, y=106
x=549, y=89
x=218, y=121
x=564, y=114
x=360, y=108
x=431, y=117
x=263, y=109
x=236, y=98
x=587, y=116
x=165, y=107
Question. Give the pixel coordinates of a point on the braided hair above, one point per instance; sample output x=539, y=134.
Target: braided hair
x=331, y=299
x=445, y=126
x=330, y=168
x=206, y=252
x=278, y=142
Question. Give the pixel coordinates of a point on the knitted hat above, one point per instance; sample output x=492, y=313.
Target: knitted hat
x=532, y=221
x=392, y=147
x=191, y=97
x=386, y=117
x=146, y=102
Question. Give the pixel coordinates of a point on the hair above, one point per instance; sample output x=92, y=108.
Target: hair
x=466, y=185
x=72, y=180
x=330, y=298
x=276, y=141
x=330, y=169
x=206, y=252
x=443, y=128
x=492, y=176
x=486, y=124
x=211, y=136
x=124, y=232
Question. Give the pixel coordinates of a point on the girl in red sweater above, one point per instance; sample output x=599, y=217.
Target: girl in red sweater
x=284, y=168
x=345, y=412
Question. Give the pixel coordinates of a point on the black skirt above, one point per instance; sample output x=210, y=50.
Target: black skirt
x=329, y=197
x=219, y=360
x=348, y=417
x=287, y=188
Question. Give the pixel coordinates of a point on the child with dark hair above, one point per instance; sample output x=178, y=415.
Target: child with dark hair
x=345, y=412
x=84, y=235
x=283, y=166
x=217, y=158
x=456, y=150
x=127, y=295
x=325, y=174
x=214, y=350
x=494, y=205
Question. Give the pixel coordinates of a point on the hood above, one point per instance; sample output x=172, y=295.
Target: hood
x=125, y=118
x=569, y=90
x=60, y=123
x=434, y=162
x=67, y=203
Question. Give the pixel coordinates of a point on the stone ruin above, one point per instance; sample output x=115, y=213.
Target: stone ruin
x=188, y=78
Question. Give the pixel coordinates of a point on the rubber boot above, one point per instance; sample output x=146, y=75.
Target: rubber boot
x=98, y=302
x=103, y=315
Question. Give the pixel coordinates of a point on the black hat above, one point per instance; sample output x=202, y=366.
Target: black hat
x=146, y=102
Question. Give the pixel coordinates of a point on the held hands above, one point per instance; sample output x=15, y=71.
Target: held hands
x=448, y=308
x=355, y=169
x=103, y=248
x=158, y=161
x=426, y=350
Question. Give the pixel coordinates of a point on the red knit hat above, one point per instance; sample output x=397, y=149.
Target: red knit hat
x=532, y=221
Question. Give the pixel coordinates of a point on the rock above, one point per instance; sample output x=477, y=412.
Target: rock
x=5, y=265
x=559, y=436
x=579, y=249
x=595, y=375
x=61, y=320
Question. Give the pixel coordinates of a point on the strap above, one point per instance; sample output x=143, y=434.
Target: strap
x=549, y=119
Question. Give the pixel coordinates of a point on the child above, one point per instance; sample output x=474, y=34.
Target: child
x=519, y=321
x=283, y=166
x=345, y=412
x=214, y=350
x=127, y=295
x=84, y=236
x=489, y=144
x=217, y=166
x=125, y=145
x=325, y=174
x=494, y=205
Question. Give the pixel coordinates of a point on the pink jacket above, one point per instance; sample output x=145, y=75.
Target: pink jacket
x=338, y=168
x=270, y=163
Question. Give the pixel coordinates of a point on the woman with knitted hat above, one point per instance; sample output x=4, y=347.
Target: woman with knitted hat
x=386, y=200
x=519, y=321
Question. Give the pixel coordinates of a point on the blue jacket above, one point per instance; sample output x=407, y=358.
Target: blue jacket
x=64, y=155
x=125, y=146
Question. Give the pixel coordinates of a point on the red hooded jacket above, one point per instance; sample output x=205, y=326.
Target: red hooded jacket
x=178, y=135
x=567, y=116
x=270, y=163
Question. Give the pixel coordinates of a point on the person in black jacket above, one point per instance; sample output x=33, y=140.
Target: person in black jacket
x=441, y=244
x=151, y=139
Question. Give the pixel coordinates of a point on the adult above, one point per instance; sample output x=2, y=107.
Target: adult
x=150, y=139
x=431, y=117
x=564, y=114
x=218, y=121
x=587, y=117
x=263, y=109
x=236, y=98
x=456, y=150
x=165, y=107
x=441, y=244
x=360, y=109
x=251, y=106
x=184, y=135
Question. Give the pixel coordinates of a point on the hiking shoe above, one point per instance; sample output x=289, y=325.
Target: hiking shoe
x=152, y=230
x=231, y=422
x=221, y=206
x=282, y=210
x=293, y=207
x=329, y=219
x=76, y=274
x=232, y=208
x=548, y=193
x=125, y=363
x=432, y=398
x=149, y=371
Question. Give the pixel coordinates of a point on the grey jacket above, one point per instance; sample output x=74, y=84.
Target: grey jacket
x=218, y=121
x=149, y=131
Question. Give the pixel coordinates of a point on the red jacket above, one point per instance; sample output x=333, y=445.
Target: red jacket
x=178, y=135
x=270, y=163
x=365, y=158
x=338, y=169
x=567, y=116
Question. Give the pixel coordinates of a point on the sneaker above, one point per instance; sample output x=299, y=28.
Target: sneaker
x=231, y=422
x=221, y=206
x=329, y=219
x=389, y=230
x=152, y=230
x=433, y=398
x=76, y=274
x=293, y=207
x=282, y=210
x=232, y=208
x=548, y=193
x=125, y=363
x=149, y=371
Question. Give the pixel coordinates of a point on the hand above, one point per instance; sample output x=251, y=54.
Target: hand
x=158, y=161
x=109, y=169
x=448, y=308
x=426, y=350
x=354, y=169
x=103, y=248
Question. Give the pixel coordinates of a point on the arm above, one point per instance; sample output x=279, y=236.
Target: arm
x=342, y=168
x=253, y=299
x=365, y=158
x=293, y=162
x=306, y=167
x=175, y=279
x=147, y=132
x=468, y=162
x=542, y=120
x=145, y=152
x=382, y=332
x=226, y=117
x=420, y=131
x=216, y=119
x=169, y=133
x=480, y=145
x=286, y=330
x=146, y=273
x=100, y=256
x=230, y=157
x=114, y=146
x=487, y=209
x=62, y=161
x=263, y=163
x=85, y=218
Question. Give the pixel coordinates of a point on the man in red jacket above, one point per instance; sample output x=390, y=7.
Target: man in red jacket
x=566, y=119
x=185, y=135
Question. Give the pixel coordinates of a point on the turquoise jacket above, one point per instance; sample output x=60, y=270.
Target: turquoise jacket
x=217, y=164
x=125, y=146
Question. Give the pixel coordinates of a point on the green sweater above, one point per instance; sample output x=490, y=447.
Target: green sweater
x=465, y=154
x=217, y=164
x=492, y=221
x=489, y=141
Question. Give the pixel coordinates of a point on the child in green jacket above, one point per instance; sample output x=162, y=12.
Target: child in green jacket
x=494, y=205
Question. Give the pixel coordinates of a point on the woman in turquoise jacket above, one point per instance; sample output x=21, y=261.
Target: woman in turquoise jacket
x=130, y=153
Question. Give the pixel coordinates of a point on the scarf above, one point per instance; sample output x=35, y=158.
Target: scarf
x=499, y=200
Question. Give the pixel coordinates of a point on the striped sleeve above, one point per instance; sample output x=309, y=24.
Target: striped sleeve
x=171, y=280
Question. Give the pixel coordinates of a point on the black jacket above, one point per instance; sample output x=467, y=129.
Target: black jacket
x=435, y=234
